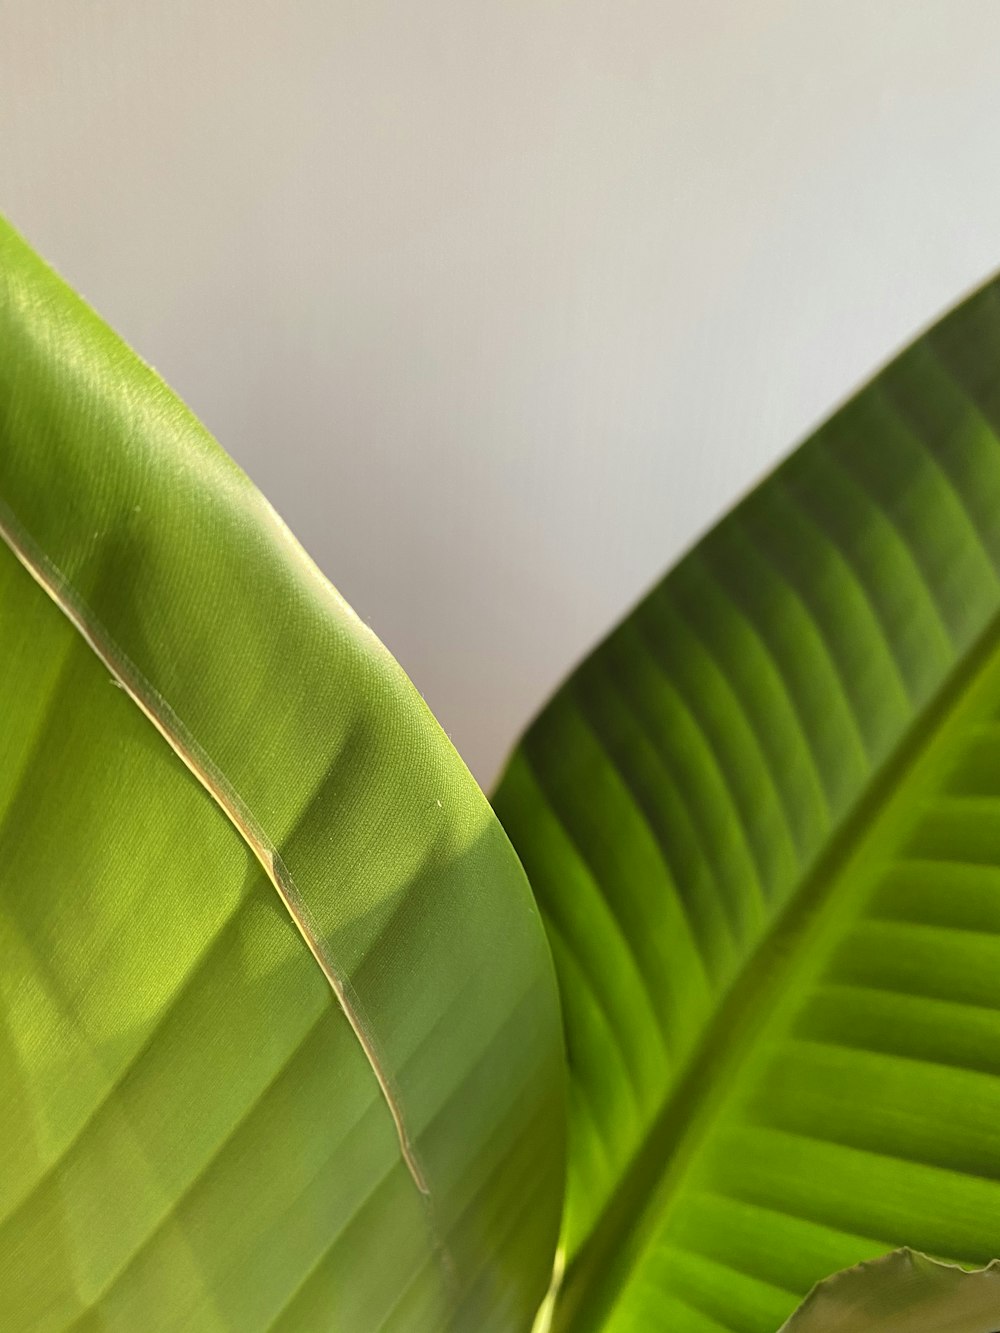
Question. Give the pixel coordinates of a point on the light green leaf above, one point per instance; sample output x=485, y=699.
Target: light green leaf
x=279, y=1039
x=903, y=1292
x=762, y=822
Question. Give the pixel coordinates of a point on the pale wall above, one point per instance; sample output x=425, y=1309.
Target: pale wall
x=502, y=303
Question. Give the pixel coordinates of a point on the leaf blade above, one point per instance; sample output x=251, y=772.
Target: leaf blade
x=758, y=710
x=179, y=568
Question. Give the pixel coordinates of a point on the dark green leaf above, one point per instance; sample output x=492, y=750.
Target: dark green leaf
x=763, y=825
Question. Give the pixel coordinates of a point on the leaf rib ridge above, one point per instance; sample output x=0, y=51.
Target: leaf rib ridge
x=161, y=714
x=287, y=1062
x=72, y=1145
x=719, y=775
x=657, y=1021
x=742, y=715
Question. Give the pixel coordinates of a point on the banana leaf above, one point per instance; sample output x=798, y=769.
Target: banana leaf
x=762, y=822
x=279, y=1035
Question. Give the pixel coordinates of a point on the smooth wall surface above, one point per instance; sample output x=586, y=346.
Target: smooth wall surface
x=501, y=304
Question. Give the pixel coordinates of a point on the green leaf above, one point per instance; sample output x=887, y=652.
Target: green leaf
x=903, y=1292
x=762, y=822
x=279, y=1036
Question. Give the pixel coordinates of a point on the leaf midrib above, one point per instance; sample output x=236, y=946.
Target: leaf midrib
x=658, y=1168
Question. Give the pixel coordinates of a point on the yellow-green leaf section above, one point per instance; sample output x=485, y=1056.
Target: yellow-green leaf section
x=762, y=822
x=279, y=1038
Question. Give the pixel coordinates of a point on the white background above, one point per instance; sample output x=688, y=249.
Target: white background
x=502, y=303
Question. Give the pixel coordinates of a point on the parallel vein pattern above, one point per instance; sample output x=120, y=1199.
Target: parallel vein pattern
x=762, y=824
x=175, y=733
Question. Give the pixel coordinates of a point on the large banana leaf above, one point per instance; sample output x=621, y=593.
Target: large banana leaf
x=763, y=825
x=279, y=1037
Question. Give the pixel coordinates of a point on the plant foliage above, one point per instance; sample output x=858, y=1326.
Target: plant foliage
x=280, y=1039
x=262, y=1063
x=762, y=822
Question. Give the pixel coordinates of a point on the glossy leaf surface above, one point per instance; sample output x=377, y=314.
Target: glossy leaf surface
x=902, y=1292
x=221, y=800
x=763, y=825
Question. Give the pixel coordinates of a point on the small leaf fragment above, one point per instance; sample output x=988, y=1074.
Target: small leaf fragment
x=902, y=1292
